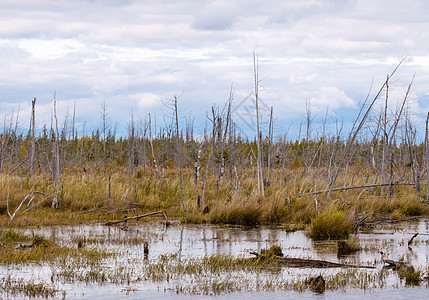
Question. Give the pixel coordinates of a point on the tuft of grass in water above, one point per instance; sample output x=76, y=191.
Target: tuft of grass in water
x=17, y=248
x=10, y=236
x=10, y=287
x=411, y=275
x=331, y=224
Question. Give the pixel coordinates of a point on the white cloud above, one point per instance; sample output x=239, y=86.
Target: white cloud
x=295, y=78
x=147, y=100
x=131, y=52
x=50, y=49
x=332, y=98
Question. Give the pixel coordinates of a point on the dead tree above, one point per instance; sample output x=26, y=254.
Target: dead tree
x=258, y=133
x=155, y=164
x=55, y=155
x=356, y=128
x=270, y=146
x=392, y=137
x=131, y=141
x=197, y=167
x=74, y=136
x=210, y=154
x=179, y=150
x=33, y=142
x=104, y=117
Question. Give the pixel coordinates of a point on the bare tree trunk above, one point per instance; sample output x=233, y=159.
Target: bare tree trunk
x=131, y=149
x=179, y=151
x=210, y=156
x=56, y=155
x=157, y=175
x=33, y=142
x=73, y=137
x=385, y=142
x=306, y=145
x=197, y=167
x=258, y=133
x=104, y=119
x=270, y=145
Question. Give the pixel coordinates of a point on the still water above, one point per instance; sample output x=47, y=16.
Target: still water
x=197, y=241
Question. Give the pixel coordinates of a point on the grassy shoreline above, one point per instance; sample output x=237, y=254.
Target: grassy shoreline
x=85, y=199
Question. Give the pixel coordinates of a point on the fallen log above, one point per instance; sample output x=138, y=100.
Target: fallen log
x=395, y=265
x=314, y=263
x=138, y=218
x=294, y=262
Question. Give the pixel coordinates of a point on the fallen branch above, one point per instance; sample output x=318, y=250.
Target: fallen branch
x=12, y=215
x=307, y=263
x=138, y=218
x=355, y=187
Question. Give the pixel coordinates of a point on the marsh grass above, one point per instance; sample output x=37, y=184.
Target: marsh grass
x=331, y=223
x=11, y=287
x=411, y=275
x=83, y=198
x=18, y=248
x=235, y=214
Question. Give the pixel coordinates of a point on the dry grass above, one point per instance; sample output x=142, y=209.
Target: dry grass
x=237, y=203
x=331, y=224
x=18, y=248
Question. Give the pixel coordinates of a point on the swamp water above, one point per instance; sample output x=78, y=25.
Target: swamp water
x=175, y=267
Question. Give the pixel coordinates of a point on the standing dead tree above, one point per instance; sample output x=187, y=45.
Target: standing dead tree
x=179, y=150
x=356, y=128
x=155, y=164
x=171, y=104
x=74, y=136
x=258, y=132
x=33, y=139
x=390, y=153
x=210, y=154
x=131, y=148
x=55, y=155
x=105, y=125
x=270, y=147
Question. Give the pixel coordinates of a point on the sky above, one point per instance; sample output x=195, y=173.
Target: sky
x=136, y=55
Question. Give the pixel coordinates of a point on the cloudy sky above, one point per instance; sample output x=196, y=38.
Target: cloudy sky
x=132, y=54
